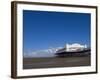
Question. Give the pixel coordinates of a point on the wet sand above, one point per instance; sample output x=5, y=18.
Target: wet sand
x=33, y=63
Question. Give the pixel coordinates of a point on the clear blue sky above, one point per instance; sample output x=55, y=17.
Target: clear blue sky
x=42, y=29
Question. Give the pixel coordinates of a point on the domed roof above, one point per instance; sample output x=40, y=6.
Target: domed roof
x=75, y=45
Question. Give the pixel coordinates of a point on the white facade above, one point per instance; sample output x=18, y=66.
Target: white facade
x=75, y=47
x=72, y=47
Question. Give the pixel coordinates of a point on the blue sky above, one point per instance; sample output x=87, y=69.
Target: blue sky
x=42, y=29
